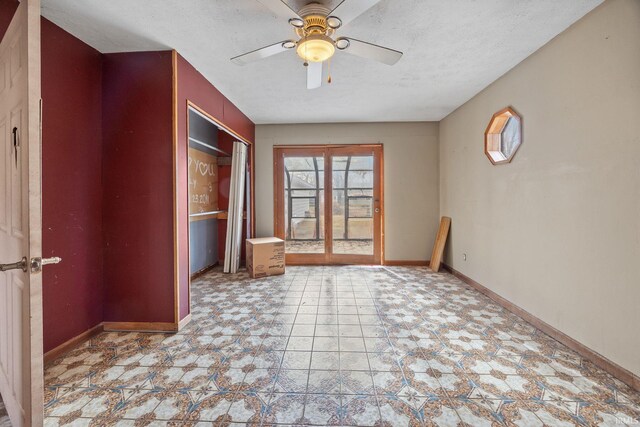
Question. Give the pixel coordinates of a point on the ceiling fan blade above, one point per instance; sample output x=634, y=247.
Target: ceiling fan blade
x=348, y=10
x=371, y=51
x=263, y=52
x=314, y=75
x=280, y=8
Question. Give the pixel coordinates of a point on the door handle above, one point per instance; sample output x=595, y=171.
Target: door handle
x=20, y=265
x=37, y=263
x=377, y=210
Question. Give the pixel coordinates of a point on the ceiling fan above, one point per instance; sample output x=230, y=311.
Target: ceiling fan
x=315, y=25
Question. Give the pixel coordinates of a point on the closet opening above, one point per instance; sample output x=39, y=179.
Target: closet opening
x=210, y=158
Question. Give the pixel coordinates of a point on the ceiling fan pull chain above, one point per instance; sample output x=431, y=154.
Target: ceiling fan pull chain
x=329, y=70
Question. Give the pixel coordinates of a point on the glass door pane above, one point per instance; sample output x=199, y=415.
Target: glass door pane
x=352, y=204
x=304, y=205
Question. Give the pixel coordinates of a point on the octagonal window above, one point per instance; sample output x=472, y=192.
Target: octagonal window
x=503, y=136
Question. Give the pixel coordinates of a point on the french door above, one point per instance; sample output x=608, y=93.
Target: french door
x=329, y=203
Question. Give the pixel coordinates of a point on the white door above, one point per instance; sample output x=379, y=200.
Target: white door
x=21, y=374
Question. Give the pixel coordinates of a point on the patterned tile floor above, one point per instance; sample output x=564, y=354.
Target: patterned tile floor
x=4, y=417
x=336, y=346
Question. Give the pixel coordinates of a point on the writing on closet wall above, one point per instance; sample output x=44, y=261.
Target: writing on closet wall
x=203, y=182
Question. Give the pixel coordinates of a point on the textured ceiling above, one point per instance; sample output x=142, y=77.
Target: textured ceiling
x=452, y=50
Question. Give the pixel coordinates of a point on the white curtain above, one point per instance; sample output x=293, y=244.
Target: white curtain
x=236, y=207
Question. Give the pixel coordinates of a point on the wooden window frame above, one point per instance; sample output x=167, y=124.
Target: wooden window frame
x=327, y=152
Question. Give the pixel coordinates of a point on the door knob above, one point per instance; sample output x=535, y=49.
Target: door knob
x=377, y=210
x=20, y=265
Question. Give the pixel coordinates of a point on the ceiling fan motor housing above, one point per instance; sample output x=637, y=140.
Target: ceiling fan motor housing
x=314, y=9
x=315, y=20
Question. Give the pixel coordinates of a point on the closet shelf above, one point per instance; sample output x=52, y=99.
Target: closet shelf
x=209, y=214
x=216, y=151
x=213, y=214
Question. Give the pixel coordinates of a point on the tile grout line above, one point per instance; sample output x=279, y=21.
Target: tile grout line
x=270, y=393
x=315, y=326
x=375, y=394
x=275, y=383
x=275, y=378
x=237, y=391
x=385, y=336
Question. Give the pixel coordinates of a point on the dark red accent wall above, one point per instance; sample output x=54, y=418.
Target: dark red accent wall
x=138, y=180
x=138, y=187
x=7, y=10
x=71, y=185
x=108, y=181
x=194, y=87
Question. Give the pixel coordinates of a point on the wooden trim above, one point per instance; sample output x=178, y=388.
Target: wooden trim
x=328, y=208
x=73, y=342
x=304, y=151
x=402, y=262
x=378, y=201
x=327, y=151
x=252, y=198
x=113, y=326
x=623, y=374
x=382, y=205
x=379, y=224
x=219, y=123
x=302, y=147
x=176, y=189
x=302, y=261
x=184, y=322
x=277, y=198
x=188, y=248
x=278, y=205
x=490, y=131
x=141, y=326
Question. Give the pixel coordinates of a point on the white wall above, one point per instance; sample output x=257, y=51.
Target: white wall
x=557, y=231
x=410, y=177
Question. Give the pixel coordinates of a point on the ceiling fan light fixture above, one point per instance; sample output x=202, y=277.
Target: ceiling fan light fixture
x=334, y=22
x=342, y=43
x=316, y=48
x=296, y=22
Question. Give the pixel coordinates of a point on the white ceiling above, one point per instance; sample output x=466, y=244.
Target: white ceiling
x=452, y=50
